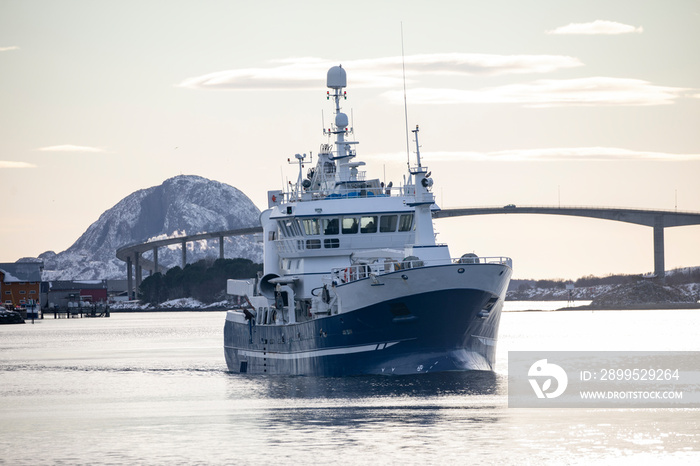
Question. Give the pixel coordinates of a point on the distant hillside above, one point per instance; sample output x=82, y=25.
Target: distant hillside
x=181, y=205
x=685, y=282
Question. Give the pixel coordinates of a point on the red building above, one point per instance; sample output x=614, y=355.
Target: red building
x=20, y=283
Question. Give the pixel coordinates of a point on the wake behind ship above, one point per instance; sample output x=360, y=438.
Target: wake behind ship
x=354, y=281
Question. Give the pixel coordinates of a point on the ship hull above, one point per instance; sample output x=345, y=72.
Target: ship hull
x=448, y=328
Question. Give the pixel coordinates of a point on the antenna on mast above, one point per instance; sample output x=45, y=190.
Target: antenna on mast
x=415, y=131
x=405, y=106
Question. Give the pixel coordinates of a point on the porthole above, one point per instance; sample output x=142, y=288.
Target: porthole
x=460, y=270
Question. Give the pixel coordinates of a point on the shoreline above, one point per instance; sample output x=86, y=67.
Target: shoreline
x=630, y=307
x=167, y=309
x=637, y=307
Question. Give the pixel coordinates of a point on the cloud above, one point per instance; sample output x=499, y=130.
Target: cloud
x=587, y=154
x=304, y=73
x=593, y=91
x=10, y=164
x=7, y=49
x=70, y=148
x=308, y=73
x=468, y=64
x=596, y=27
x=590, y=154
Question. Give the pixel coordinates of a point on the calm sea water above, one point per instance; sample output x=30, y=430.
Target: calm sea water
x=152, y=388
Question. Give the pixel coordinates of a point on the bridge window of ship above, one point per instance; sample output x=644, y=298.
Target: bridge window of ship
x=293, y=227
x=349, y=225
x=310, y=226
x=330, y=226
x=368, y=224
x=387, y=223
x=406, y=222
x=289, y=228
x=284, y=232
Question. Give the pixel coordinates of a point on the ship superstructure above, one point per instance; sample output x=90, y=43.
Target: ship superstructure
x=354, y=281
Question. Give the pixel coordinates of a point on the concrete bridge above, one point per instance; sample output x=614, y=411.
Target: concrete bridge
x=132, y=254
x=657, y=219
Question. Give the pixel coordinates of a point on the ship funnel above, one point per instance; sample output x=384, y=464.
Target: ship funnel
x=336, y=78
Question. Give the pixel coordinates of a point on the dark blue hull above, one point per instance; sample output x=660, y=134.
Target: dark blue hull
x=445, y=330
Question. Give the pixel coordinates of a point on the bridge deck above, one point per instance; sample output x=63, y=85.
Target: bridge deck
x=650, y=218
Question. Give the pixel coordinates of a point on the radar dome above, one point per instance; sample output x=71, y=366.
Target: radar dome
x=336, y=78
x=341, y=120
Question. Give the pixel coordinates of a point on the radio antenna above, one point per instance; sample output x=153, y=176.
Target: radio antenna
x=405, y=106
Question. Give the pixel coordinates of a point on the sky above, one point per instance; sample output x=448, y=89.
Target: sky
x=576, y=103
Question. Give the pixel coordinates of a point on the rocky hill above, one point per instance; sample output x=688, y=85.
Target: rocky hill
x=680, y=285
x=681, y=290
x=181, y=205
x=642, y=293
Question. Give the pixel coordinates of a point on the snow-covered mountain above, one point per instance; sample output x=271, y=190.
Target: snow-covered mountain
x=181, y=205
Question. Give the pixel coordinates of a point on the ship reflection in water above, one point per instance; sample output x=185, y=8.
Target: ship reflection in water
x=471, y=383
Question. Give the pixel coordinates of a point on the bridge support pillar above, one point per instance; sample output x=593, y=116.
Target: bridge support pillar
x=659, y=267
x=184, y=253
x=129, y=279
x=221, y=247
x=139, y=271
x=155, y=260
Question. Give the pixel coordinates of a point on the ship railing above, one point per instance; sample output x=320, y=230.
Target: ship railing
x=498, y=260
x=347, y=193
x=318, y=243
x=382, y=267
x=293, y=245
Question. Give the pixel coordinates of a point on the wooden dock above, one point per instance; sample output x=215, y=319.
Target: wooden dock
x=80, y=312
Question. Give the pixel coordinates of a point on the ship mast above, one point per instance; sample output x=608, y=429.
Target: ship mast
x=423, y=200
x=336, y=80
